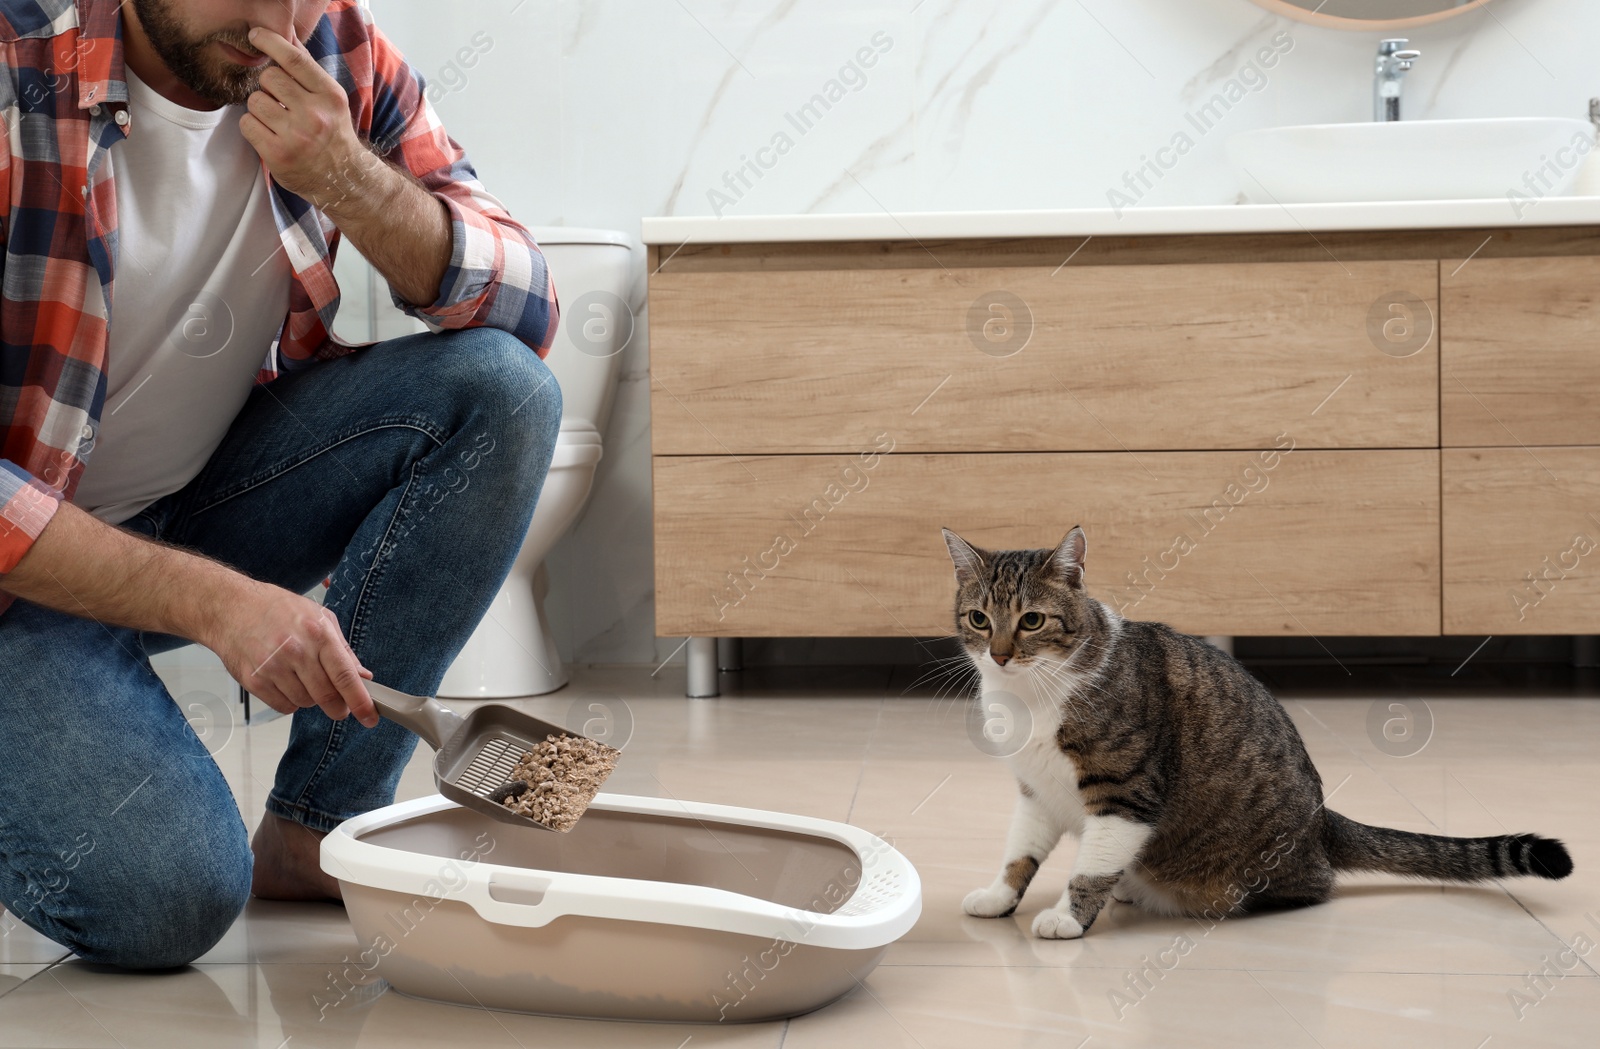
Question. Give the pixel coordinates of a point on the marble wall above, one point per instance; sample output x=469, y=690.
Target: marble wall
x=600, y=112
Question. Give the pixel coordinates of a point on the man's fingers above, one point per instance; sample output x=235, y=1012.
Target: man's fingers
x=254, y=131
x=278, y=675
x=293, y=689
x=291, y=58
x=281, y=87
x=269, y=694
x=321, y=691
x=275, y=700
x=344, y=670
x=266, y=109
x=275, y=682
x=346, y=680
x=312, y=666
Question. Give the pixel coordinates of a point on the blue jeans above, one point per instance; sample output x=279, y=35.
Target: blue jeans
x=406, y=472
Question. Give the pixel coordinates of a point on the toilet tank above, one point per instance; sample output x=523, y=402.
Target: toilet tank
x=593, y=274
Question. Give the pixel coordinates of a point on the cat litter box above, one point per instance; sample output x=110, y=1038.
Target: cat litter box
x=648, y=909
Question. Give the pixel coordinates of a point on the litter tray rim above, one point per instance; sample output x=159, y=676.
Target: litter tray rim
x=886, y=874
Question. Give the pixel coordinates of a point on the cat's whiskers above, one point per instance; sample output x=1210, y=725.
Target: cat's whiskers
x=955, y=674
x=964, y=688
x=939, y=666
x=1050, y=690
x=1063, y=684
x=1055, y=672
x=945, y=670
x=1079, y=669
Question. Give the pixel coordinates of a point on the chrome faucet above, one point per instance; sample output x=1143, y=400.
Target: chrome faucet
x=1394, y=61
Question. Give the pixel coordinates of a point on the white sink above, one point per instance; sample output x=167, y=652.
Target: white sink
x=1530, y=157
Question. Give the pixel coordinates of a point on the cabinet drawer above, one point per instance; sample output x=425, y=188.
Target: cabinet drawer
x=1239, y=542
x=1521, y=540
x=1520, y=351
x=1030, y=358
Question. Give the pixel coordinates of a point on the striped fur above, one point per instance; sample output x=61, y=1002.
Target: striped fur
x=1187, y=783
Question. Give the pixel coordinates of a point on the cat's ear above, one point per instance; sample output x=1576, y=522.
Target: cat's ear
x=969, y=560
x=1068, y=557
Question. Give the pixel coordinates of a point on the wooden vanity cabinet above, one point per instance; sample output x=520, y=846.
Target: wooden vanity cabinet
x=1261, y=434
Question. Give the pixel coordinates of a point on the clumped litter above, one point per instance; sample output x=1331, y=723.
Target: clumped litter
x=555, y=782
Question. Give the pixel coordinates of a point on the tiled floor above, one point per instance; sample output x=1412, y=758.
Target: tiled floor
x=1386, y=964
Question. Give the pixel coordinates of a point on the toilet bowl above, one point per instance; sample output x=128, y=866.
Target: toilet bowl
x=513, y=651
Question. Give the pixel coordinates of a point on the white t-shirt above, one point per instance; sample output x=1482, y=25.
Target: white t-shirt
x=201, y=288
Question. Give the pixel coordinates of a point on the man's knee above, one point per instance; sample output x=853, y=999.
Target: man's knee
x=505, y=382
x=154, y=906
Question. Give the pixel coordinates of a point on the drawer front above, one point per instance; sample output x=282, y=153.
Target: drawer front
x=1238, y=542
x=1014, y=359
x=1520, y=351
x=1521, y=540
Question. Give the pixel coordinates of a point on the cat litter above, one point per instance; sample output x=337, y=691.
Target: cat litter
x=555, y=781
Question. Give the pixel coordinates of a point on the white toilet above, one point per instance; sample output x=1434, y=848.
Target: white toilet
x=513, y=652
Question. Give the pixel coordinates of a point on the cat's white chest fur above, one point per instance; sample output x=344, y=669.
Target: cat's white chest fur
x=1039, y=763
x=1053, y=778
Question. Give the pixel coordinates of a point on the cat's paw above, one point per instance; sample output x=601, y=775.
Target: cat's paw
x=1122, y=893
x=994, y=901
x=1054, y=924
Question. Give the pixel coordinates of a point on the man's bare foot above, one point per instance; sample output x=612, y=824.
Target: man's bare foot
x=287, y=866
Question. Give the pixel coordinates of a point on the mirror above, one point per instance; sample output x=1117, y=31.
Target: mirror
x=1370, y=14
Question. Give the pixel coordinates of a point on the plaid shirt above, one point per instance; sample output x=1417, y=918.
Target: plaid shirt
x=63, y=105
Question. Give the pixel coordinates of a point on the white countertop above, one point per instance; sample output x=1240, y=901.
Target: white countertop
x=1134, y=221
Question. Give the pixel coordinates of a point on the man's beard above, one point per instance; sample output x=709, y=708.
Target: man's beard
x=214, y=79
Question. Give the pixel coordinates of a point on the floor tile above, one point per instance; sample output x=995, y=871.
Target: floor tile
x=917, y=1007
x=279, y=1005
x=1421, y=1011
x=275, y=932
x=14, y=976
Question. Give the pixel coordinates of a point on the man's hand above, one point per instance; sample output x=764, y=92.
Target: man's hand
x=299, y=122
x=289, y=651
x=283, y=647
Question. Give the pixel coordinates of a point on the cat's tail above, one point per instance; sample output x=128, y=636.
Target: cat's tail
x=1352, y=846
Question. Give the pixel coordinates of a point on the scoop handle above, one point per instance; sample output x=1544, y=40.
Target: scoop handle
x=424, y=715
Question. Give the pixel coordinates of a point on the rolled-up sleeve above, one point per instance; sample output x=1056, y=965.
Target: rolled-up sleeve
x=26, y=505
x=497, y=276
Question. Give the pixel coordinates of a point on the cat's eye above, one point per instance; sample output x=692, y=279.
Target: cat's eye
x=978, y=620
x=1032, y=620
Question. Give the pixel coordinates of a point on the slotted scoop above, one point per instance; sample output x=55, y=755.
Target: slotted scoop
x=476, y=753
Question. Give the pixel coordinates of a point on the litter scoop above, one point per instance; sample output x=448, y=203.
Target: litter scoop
x=477, y=753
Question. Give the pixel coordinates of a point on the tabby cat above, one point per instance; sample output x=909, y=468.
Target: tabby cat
x=1185, y=781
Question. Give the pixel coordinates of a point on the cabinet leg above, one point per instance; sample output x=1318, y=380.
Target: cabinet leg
x=702, y=668
x=730, y=653
x=1222, y=641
